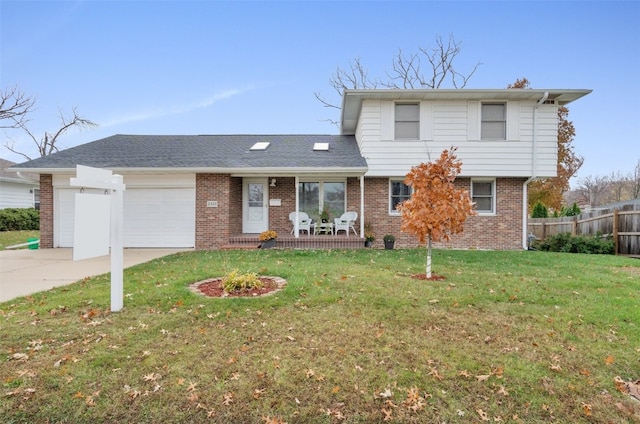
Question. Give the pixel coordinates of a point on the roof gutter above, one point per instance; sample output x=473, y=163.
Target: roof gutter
x=534, y=171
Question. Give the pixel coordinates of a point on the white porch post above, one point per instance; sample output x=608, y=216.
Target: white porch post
x=362, y=206
x=296, y=228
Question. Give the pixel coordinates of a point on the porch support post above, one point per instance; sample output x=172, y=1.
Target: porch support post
x=296, y=228
x=361, y=206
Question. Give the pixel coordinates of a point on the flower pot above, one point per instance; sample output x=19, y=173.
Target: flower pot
x=268, y=244
x=368, y=243
x=389, y=245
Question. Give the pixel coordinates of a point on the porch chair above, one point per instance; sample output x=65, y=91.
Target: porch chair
x=304, y=222
x=346, y=222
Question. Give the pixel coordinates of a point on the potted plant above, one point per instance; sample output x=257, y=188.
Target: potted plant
x=268, y=239
x=389, y=241
x=369, y=235
x=324, y=215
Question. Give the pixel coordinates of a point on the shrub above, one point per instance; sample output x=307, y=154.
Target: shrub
x=235, y=281
x=539, y=210
x=565, y=242
x=17, y=219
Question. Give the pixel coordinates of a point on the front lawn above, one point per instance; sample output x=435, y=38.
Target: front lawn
x=11, y=238
x=523, y=337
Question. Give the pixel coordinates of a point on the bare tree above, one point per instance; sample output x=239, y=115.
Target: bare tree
x=619, y=185
x=594, y=189
x=635, y=182
x=406, y=72
x=48, y=143
x=14, y=108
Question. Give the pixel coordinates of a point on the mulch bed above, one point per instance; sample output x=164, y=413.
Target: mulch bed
x=433, y=277
x=213, y=288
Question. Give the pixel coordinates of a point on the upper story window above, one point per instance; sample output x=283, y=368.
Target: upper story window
x=398, y=193
x=494, y=121
x=407, y=120
x=483, y=195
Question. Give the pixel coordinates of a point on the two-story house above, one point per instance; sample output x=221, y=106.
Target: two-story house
x=201, y=190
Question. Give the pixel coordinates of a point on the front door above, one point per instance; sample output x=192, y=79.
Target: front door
x=255, y=205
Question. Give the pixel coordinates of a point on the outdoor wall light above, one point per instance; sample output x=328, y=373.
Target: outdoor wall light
x=273, y=182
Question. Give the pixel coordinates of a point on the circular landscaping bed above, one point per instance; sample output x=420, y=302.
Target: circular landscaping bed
x=213, y=288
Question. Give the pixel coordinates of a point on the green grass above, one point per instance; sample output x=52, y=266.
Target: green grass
x=525, y=337
x=11, y=238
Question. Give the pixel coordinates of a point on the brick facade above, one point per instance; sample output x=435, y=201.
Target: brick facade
x=215, y=225
x=46, y=211
x=500, y=231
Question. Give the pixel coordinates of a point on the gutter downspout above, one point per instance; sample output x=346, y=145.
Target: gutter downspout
x=534, y=171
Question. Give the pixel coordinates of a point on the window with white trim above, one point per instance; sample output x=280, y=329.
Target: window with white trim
x=407, y=121
x=398, y=193
x=36, y=198
x=315, y=196
x=483, y=194
x=494, y=121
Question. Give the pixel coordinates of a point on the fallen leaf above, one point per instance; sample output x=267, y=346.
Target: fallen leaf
x=483, y=377
x=609, y=360
x=386, y=394
x=228, y=398
x=20, y=356
x=335, y=390
x=502, y=391
x=483, y=415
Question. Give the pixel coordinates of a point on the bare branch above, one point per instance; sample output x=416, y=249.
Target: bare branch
x=14, y=108
x=48, y=144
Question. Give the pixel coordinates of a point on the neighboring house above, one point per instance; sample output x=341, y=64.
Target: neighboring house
x=198, y=191
x=18, y=189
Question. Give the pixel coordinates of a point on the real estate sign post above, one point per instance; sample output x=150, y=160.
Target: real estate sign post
x=94, y=216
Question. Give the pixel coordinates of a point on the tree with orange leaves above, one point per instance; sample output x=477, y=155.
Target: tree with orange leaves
x=436, y=209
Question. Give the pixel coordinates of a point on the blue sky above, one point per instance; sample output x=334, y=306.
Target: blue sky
x=213, y=67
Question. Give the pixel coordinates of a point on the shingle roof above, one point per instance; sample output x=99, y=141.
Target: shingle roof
x=206, y=151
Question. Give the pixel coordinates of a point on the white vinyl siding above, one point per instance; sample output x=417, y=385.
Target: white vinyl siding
x=407, y=121
x=483, y=194
x=447, y=123
x=16, y=195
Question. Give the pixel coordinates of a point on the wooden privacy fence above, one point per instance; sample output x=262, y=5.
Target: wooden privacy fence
x=622, y=224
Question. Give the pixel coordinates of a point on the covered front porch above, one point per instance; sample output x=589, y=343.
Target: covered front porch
x=288, y=241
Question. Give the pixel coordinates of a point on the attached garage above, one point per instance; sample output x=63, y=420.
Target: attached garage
x=157, y=212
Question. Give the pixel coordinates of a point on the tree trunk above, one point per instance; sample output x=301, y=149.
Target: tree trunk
x=429, y=256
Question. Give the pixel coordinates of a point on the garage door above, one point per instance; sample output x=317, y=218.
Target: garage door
x=153, y=217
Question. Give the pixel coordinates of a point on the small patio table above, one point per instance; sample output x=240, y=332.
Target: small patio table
x=322, y=228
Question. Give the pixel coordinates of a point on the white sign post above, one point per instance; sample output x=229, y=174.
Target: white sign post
x=89, y=177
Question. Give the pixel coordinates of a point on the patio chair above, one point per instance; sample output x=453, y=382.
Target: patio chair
x=345, y=223
x=304, y=222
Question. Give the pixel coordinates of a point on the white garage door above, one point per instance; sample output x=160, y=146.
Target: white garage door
x=153, y=217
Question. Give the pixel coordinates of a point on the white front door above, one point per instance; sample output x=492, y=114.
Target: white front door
x=255, y=205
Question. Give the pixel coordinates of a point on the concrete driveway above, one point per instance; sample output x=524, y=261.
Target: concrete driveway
x=23, y=272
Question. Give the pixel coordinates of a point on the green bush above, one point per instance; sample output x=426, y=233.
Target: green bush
x=565, y=242
x=18, y=219
x=235, y=281
x=539, y=210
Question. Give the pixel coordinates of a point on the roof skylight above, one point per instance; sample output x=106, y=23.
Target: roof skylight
x=321, y=147
x=260, y=145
